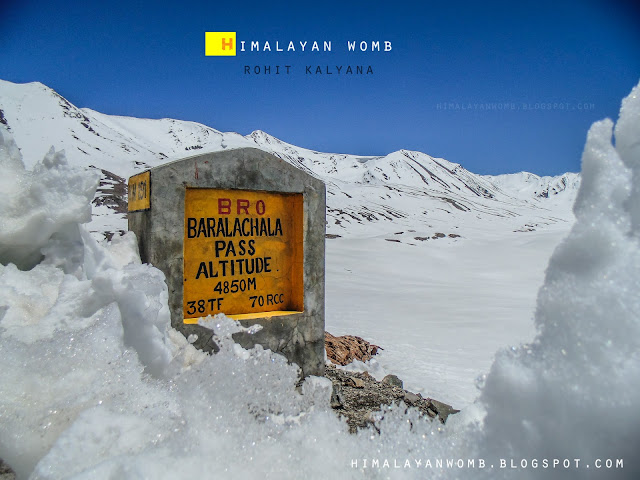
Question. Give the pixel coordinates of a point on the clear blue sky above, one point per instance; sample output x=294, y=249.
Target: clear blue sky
x=146, y=59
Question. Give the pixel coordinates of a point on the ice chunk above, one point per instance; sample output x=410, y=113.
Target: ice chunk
x=574, y=392
x=40, y=204
x=628, y=146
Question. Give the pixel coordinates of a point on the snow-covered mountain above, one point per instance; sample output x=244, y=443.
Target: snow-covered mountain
x=529, y=185
x=426, y=197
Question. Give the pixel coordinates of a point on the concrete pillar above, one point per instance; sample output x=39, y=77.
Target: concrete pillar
x=239, y=232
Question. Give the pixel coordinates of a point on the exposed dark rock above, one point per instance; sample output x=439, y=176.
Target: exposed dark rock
x=393, y=380
x=346, y=349
x=112, y=192
x=337, y=397
x=412, y=398
x=4, y=120
x=355, y=382
x=6, y=472
x=443, y=409
x=108, y=235
x=458, y=205
x=356, y=396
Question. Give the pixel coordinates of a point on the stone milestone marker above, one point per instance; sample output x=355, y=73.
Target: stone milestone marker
x=238, y=232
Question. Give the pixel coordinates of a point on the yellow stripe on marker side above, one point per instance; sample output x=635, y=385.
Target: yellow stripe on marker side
x=248, y=316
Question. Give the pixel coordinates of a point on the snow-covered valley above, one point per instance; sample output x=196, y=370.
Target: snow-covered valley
x=439, y=311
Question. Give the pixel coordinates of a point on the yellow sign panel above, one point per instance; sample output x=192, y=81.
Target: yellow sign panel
x=243, y=253
x=140, y=191
x=220, y=44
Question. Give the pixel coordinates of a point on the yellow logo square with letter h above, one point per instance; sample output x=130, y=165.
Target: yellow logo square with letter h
x=220, y=44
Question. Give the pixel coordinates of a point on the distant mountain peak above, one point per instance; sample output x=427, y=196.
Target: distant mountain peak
x=405, y=189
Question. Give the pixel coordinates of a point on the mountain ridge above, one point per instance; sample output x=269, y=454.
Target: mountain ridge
x=403, y=189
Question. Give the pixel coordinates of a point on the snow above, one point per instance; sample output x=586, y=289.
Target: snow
x=447, y=306
x=48, y=201
x=365, y=195
x=574, y=391
x=95, y=384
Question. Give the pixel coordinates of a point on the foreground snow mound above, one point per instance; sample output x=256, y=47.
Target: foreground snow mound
x=40, y=208
x=574, y=393
x=76, y=402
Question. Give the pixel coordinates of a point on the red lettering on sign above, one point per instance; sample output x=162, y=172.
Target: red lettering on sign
x=243, y=205
x=224, y=206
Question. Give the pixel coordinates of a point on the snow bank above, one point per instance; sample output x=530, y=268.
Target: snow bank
x=575, y=391
x=40, y=209
x=95, y=384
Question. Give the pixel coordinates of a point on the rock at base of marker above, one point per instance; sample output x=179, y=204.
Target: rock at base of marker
x=412, y=398
x=393, y=381
x=356, y=396
x=347, y=348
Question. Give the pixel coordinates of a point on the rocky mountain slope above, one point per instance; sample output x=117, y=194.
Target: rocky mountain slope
x=422, y=196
